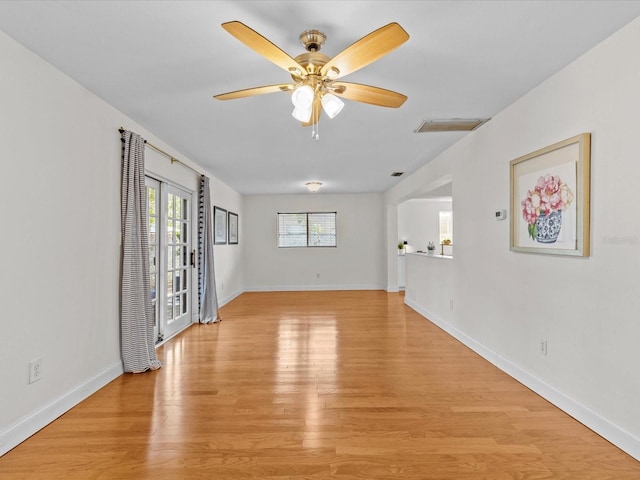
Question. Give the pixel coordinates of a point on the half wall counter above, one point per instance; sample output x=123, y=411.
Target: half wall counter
x=429, y=285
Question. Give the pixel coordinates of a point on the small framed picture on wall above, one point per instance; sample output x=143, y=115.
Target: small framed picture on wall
x=219, y=226
x=233, y=228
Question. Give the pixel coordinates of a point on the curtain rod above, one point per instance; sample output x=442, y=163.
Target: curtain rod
x=169, y=156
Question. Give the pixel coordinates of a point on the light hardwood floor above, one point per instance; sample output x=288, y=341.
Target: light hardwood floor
x=317, y=385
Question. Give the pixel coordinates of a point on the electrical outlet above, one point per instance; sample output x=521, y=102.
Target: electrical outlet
x=543, y=347
x=35, y=370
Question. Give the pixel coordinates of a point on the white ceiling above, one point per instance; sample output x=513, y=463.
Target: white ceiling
x=160, y=62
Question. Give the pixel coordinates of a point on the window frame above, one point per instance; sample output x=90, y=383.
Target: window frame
x=442, y=235
x=307, y=244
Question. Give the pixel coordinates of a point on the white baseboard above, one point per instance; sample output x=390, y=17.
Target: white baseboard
x=307, y=288
x=228, y=298
x=23, y=428
x=618, y=436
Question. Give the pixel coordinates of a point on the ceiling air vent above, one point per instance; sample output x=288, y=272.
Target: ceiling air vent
x=397, y=174
x=451, y=125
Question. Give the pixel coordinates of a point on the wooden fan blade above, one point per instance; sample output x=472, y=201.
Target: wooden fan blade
x=249, y=92
x=366, y=50
x=315, y=113
x=368, y=94
x=264, y=47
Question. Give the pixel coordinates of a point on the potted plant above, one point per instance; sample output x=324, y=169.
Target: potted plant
x=431, y=248
x=401, y=247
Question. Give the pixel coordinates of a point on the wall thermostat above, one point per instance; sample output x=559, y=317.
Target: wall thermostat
x=501, y=214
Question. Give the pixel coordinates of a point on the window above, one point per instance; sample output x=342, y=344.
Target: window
x=307, y=229
x=446, y=226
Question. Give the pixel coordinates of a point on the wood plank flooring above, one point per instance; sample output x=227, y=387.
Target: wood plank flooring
x=317, y=385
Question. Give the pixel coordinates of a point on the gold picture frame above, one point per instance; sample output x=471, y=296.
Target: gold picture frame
x=549, y=199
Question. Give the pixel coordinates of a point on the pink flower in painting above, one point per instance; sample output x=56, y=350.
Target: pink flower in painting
x=530, y=206
x=550, y=194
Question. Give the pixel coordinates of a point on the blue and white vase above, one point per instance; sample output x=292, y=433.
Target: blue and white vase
x=548, y=227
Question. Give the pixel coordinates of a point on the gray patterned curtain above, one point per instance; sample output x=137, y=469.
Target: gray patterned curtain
x=136, y=314
x=207, y=296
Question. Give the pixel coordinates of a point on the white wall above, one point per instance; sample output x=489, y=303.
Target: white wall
x=419, y=222
x=60, y=154
x=356, y=263
x=587, y=309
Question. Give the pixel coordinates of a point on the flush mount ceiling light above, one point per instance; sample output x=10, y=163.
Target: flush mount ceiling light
x=451, y=125
x=313, y=186
x=315, y=86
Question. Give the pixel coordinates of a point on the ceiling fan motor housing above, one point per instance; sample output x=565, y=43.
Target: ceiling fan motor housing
x=312, y=62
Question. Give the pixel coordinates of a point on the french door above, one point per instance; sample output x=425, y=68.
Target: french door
x=171, y=257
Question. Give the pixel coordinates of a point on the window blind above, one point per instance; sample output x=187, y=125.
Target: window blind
x=307, y=229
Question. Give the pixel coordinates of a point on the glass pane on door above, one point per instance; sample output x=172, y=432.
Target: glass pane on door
x=153, y=210
x=178, y=248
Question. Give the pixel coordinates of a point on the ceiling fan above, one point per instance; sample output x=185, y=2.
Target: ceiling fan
x=315, y=77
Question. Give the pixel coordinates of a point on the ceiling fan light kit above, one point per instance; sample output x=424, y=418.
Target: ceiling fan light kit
x=331, y=105
x=302, y=97
x=315, y=75
x=301, y=114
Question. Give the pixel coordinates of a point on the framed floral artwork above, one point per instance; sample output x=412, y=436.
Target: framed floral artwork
x=550, y=199
x=219, y=226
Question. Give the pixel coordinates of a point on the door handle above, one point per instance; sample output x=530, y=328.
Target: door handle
x=193, y=258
